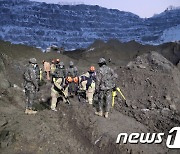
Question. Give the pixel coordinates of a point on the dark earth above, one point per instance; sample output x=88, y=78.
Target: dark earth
x=148, y=77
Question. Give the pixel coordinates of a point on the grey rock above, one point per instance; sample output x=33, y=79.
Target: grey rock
x=165, y=112
x=3, y=122
x=141, y=66
x=128, y=103
x=153, y=105
x=167, y=97
x=4, y=84
x=173, y=107
x=134, y=106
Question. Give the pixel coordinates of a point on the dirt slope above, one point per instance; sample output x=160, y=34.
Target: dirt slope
x=149, y=81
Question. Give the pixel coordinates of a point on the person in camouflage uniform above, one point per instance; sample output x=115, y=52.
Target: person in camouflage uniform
x=30, y=85
x=105, y=82
x=72, y=72
x=60, y=72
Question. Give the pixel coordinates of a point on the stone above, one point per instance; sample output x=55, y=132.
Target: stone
x=173, y=107
x=167, y=97
x=141, y=66
x=134, y=106
x=128, y=103
x=3, y=122
x=4, y=84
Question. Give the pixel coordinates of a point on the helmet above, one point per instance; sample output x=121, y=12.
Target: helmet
x=61, y=63
x=92, y=68
x=71, y=63
x=52, y=61
x=101, y=61
x=57, y=60
x=69, y=79
x=76, y=79
x=33, y=61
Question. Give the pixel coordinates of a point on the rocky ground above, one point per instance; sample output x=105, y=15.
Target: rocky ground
x=150, y=83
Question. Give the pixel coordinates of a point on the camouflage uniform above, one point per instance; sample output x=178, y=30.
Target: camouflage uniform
x=60, y=72
x=104, y=84
x=72, y=71
x=59, y=89
x=30, y=85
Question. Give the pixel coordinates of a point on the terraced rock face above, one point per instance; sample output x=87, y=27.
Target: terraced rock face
x=41, y=24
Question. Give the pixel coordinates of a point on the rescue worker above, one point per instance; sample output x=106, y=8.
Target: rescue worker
x=91, y=73
x=53, y=67
x=72, y=71
x=30, y=85
x=87, y=85
x=47, y=69
x=105, y=82
x=60, y=72
x=57, y=63
x=60, y=89
x=37, y=71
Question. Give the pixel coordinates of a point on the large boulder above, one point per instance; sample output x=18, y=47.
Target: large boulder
x=4, y=83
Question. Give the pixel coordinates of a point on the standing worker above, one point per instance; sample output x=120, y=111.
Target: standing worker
x=60, y=71
x=105, y=82
x=47, y=69
x=30, y=85
x=57, y=63
x=87, y=85
x=72, y=72
x=53, y=67
x=91, y=73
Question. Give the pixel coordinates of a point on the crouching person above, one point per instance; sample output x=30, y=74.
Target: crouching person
x=88, y=85
x=60, y=89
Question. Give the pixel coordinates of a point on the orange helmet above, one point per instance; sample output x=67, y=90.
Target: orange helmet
x=92, y=68
x=69, y=79
x=57, y=60
x=76, y=79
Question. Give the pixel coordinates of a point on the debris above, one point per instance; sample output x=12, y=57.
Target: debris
x=3, y=122
x=98, y=140
x=141, y=66
x=173, y=107
x=167, y=97
x=144, y=110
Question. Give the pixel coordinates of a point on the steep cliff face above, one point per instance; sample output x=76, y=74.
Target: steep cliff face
x=41, y=24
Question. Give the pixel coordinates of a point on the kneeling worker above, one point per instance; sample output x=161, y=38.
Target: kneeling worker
x=60, y=89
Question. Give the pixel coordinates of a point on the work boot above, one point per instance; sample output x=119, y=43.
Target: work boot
x=26, y=111
x=99, y=113
x=54, y=109
x=106, y=114
x=30, y=111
